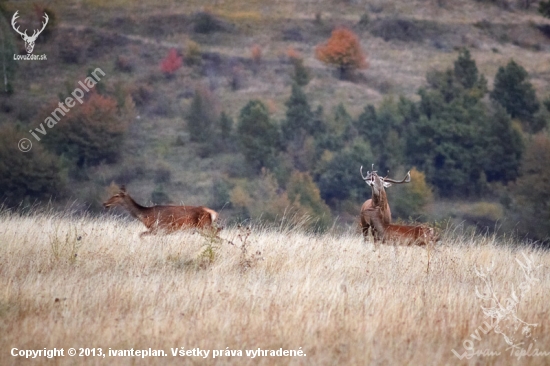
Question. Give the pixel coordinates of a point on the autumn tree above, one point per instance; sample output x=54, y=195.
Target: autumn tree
x=342, y=50
x=193, y=54
x=260, y=199
x=304, y=194
x=90, y=133
x=411, y=199
x=171, y=63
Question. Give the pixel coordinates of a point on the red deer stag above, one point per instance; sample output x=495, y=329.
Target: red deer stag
x=167, y=218
x=378, y=202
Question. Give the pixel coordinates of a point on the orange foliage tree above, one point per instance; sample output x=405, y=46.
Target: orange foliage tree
x=342, y=50
x=90, y=133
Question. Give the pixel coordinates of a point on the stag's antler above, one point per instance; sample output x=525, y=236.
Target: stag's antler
x=369, y=174
x=362, y=176
x=407, y=179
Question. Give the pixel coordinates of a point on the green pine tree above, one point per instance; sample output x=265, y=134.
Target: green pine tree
x=504, y=148
x=339, y=178
x=201, y=118
x=258, y=135
x=446, y=143
x=544, y=8
x=36, y=174
x=532, y=190
x=226, y=126
x=465, y=69
x=299, y=117
x=515, y=93
x=301, y=74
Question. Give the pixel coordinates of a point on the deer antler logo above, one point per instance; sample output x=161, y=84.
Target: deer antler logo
x=29, y=41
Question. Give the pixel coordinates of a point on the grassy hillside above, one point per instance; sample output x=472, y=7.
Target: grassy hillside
x=92, y=283
x=403, y=39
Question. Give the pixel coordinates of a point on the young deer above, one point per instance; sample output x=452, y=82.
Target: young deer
x=166, y=218
x=421, y=235
x=410, y=234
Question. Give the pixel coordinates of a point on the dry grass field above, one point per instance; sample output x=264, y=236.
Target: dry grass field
x=92, y=283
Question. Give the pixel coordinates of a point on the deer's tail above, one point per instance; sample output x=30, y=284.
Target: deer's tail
x=213, y=214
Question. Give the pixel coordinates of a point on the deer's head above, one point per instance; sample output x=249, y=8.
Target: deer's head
x=116, y=199
x=29, y=40
x=379, y=184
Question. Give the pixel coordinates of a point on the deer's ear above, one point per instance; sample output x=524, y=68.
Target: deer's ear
x=386, y=184
x=123, y=188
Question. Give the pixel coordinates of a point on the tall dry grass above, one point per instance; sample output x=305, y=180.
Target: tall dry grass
x=91, y=282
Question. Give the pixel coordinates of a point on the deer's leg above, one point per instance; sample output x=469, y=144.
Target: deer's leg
x=365, y=230
x=375, y=238
x=214, y=230
x=429, y=246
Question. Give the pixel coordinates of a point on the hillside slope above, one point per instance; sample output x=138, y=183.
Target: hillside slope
x=403, y=39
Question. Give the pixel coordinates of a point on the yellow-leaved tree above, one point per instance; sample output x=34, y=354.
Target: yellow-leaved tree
x=409, y=200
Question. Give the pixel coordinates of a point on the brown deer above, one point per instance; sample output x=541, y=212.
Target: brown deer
x=378, y=203
x=166, y=218
x=410, y=234
x=421, y=235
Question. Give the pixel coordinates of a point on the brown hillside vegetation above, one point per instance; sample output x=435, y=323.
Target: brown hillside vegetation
x=403, y=39
x=83, y=282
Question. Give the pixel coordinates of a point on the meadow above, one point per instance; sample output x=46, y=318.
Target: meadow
x=91, y=282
